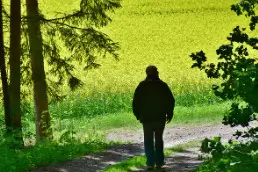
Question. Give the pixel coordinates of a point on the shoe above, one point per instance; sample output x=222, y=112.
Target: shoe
x=160, y=166
x=150, y=167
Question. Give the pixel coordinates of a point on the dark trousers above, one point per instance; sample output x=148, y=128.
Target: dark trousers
x=154, y=147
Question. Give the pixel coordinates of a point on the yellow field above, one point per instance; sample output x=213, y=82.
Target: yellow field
x=163, y=33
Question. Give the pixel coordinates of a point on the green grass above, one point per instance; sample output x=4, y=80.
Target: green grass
x=140, y=161
x=94, y=115
x=206, y=114
x=45, y=154
x=74, y=115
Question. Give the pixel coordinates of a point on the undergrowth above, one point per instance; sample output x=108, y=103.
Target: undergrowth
x=46, y=154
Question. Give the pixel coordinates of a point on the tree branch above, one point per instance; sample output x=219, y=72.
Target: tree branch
x=63, y=24
x=66, y=17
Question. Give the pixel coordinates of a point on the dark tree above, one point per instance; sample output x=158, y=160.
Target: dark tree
x=4, y=78
x=15, y=75
x=42, y=115
x=79, y=33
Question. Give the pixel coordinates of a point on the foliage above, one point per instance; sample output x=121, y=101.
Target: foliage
x=70, y=40
x=238, y=69
x=47, y=153
x=240, y=75
x=214, y=147
x=79, y=33
x=239, y=116
x=234, y=156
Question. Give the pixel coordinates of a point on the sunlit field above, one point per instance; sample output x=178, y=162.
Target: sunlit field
x=163, y=33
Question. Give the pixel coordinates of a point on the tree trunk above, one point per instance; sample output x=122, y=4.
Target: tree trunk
x=42, y=115
x=4, y=75
x=15, y=75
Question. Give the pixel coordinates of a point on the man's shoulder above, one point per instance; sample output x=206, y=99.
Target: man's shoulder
x=142, y=82
x=163, y=83
x=147, y=82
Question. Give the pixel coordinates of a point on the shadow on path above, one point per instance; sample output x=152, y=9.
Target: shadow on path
x=186, y=160
x=96, y=162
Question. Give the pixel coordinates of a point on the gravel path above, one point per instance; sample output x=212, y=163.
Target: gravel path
x=183, y=161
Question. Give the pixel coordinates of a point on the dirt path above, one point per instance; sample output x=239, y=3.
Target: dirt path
x=184, y=161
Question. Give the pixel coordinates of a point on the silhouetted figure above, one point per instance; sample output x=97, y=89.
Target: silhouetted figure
x=153, y=106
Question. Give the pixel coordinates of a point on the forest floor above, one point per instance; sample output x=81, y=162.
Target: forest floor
x=187, y=160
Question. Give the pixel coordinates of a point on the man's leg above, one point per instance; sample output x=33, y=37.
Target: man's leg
x=159, y=154
x=149, y=143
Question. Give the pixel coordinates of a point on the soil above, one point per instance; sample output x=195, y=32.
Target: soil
x=187, y=160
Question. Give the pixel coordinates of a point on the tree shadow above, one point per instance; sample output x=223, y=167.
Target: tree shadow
x=97, y=161
x=186, y=160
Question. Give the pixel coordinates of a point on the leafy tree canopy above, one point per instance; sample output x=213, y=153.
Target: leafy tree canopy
x=238, y=70
x=68, y=40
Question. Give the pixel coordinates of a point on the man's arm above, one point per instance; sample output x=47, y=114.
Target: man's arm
x=170, y=104
x=136, y=102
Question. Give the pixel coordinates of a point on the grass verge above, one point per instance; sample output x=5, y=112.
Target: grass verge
x=46, y=154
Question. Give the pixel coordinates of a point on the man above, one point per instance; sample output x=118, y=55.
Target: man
x=153, y=106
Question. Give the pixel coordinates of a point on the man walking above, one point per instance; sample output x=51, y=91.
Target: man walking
x=153, y=106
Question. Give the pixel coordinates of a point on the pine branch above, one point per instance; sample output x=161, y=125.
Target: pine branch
x=65, y=17
x=64, y=24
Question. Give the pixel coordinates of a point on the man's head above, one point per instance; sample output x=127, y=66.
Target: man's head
x=152, y=71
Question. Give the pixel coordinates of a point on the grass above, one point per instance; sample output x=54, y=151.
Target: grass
x=212, y=114
x=45, y=154
x=75, y=115
x=105, y=124
x=140, y=161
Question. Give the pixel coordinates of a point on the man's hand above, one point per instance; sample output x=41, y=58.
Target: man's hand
x=168, y=119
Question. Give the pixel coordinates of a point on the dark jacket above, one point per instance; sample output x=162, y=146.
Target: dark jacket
x=153, y=101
